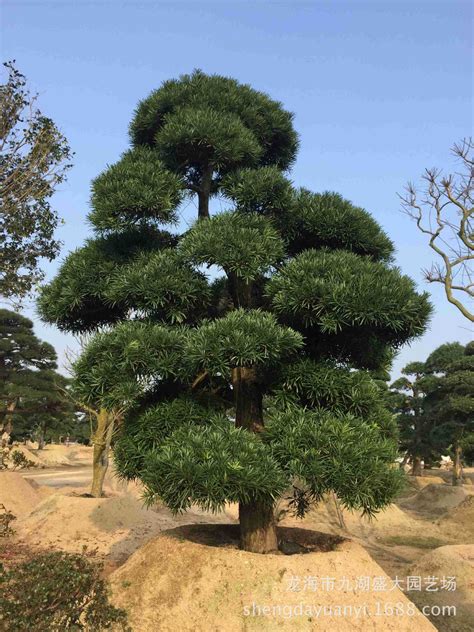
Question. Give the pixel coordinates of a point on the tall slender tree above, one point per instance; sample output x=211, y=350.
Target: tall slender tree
x=239, y=383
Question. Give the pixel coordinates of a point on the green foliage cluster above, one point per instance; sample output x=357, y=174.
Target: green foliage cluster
x=78, y=300
x=33, y=395
x=434, y=403
x=34, y=160
x=245, y=245
x=321, y=385
x=182, y=114
x=241, y=338
x=55, y=592
x=210, y=466
x=333, y=452
x=162, y=285
x=235, y=388
x=6, y=519
x=136, y=190
x=20, y=461
x=335, y=290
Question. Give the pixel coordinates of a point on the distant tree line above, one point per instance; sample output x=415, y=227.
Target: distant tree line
x=434, y=405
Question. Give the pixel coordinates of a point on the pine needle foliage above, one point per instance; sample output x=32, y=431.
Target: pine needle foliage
x=236, y=388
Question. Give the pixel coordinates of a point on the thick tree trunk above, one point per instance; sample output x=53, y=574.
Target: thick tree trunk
x=257, y=523
x=457, y=466
x=248, y=399
x=416, y=469
x=257, y=528
x=102, y=439
x=240, y=290
x=204, y=193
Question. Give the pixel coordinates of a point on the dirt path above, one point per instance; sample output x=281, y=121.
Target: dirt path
x=66, y=476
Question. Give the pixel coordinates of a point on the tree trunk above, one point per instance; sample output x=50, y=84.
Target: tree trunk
x=257, y=528
x=405, y=461
x=416, y=469
x=248, y=399
x=240, y=290
x=257, y=523
x=41, y=440
x=7, y=424
x=457, y=466
x=102, y=439
x=204, y=193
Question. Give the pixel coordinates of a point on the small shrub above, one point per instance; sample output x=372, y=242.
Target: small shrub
x=56, y=592
x=20, y=461
x=6, y=518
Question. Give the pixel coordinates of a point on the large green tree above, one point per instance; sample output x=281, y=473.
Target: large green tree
x=239, y=351
x=34, y=160
x=33, y=395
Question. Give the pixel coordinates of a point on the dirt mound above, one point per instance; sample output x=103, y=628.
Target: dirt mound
x=461, y=516
x=114, y=526
x=449, y=561
x=415, y=483
x=28, y=453
x=436, y=499
x=17, y=494
x=78, y=455
x=42, y=490
x=117, y=485
x=195, y=578
x=53, y=455
x=325, y=517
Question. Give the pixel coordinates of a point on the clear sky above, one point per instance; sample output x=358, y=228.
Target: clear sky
x=380, y=90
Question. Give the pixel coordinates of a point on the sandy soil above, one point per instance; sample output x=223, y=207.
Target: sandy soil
x=195, y=578
x=434, y=518
x=17, y=495
x=114, y=527
x=449, y=561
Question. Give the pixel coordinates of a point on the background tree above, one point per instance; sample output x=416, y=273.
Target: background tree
x=47, y=411
x=444, y=211
x=452, y=400
x=24, y=360
x=34, y=400
x=219, y=378
x=34, y=159
x=411, y=405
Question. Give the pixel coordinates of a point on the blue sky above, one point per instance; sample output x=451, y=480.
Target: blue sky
x=380, y=90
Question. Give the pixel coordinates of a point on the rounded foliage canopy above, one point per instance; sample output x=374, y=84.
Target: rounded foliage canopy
x=235, y=388
x=219, y=109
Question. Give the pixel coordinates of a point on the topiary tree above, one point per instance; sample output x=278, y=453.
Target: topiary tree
x=239, y=351
x=410, y=402
x=452, y=400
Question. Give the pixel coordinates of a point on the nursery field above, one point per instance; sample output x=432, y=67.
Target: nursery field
x=185, y=570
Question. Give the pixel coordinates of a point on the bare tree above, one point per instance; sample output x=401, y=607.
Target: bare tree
x=443, y=210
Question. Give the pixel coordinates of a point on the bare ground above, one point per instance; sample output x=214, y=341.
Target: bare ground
x=431, y=517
